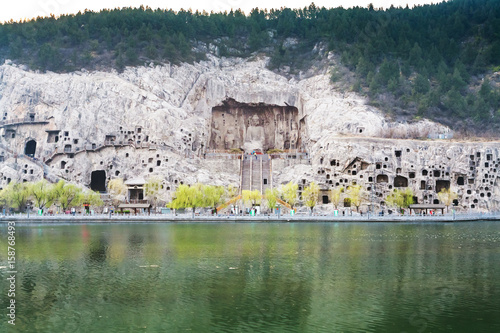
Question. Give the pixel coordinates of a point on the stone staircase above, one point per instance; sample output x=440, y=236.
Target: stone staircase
x=256, y=168
x=255, y=173
x=245, y=173
x=266, y=173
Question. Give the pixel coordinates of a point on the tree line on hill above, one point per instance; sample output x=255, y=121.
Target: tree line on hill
x=428, y=61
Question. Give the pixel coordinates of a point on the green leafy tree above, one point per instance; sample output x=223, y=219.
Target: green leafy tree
x=310, y=196
x=421, y=85
x=42, y=193
x=400, y=198
x=213, y=196
x=336, y=196
x=91, y=198
x=152, y=189
x=415, y=58
x=231, y=191
x=131, y=55
x=388, y=70
x=486, y=91
x=271, y=196
x=253, y=197
x=188, y=197
x=152, y=51
x=447, y=196
x=180, y=198
x=357, y=195
x=117, y=190
x=67, y=195
x=16, y=195
x=16, y=48
x=48, y=57
x=289, y=193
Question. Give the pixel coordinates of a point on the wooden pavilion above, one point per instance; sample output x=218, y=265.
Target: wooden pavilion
x=427, y=207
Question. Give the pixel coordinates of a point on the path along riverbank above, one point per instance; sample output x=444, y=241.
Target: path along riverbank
x=187, y=218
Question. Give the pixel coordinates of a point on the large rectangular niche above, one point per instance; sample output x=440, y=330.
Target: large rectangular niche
x=254, y=126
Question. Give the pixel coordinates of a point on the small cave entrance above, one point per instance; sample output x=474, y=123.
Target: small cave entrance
x=98, y=181
x=30, y=148
x=442, y=184
x=52, y=136
x=400, y=181
x=382, y=179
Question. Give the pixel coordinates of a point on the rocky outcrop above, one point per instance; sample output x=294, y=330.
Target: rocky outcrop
x=381, y=165
x=158, y=120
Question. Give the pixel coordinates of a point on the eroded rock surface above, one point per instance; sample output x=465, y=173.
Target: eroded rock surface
x=159, y=120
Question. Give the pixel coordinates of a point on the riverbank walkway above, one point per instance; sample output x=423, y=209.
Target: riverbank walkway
x=187, y=218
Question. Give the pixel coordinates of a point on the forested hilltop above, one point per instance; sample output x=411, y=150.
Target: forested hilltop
x=435, y=61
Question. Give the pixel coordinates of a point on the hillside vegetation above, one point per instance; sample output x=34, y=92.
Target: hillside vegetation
x=435, y=61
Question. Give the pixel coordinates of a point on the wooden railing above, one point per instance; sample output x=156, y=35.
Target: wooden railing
x=227, y=203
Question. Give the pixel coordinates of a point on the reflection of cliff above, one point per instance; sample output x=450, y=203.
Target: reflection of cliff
x=254, y=126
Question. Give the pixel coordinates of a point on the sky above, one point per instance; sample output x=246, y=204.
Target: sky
x=26, y=9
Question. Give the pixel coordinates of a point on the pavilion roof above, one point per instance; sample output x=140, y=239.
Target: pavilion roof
x=427, y=206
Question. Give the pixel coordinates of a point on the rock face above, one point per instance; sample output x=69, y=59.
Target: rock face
x=381, y=165
x=167, y=120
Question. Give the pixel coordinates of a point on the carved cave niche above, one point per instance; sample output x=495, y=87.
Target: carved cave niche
x=53, y=136
x=400, y=181
x=442, y=184
x=256, y=126
x=382, y=179
x=30, y=148
x=98, y=181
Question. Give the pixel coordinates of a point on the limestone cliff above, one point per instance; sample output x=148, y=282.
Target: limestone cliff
x=159, y=120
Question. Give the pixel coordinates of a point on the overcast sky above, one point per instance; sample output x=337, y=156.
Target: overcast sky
x=21, y=9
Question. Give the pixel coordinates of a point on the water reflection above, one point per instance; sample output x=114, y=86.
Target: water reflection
x=98, y=250
x=258, y=277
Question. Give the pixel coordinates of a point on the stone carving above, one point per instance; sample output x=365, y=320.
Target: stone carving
x=255, y=135
x=229, y=139
x=252, y=126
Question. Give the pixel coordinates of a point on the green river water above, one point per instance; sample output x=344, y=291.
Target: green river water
x=254, y=277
